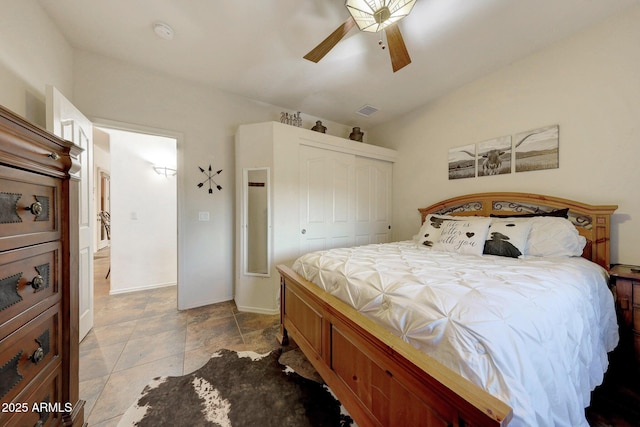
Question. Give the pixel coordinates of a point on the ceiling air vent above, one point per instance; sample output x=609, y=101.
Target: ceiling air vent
x=367, y=110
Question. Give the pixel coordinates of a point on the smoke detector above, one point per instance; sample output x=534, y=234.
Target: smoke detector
x=163, y=30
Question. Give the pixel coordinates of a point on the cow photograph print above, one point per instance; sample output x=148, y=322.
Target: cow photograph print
x=533, y=150
x=494, y=156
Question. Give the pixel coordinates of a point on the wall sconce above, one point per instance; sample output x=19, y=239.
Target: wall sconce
x=164, y=170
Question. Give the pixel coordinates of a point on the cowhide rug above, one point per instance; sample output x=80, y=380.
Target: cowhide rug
x=237, y=389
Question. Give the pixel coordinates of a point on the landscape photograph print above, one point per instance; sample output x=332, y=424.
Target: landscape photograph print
x=462, y=162
x=537, y=149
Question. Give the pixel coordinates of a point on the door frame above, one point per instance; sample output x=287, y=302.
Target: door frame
x=180, y=183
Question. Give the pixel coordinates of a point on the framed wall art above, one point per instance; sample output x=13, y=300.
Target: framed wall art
x=462, y=162
x=537, y=149
x=494, y=156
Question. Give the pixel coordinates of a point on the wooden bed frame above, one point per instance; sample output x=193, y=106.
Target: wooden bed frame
x=384, y=381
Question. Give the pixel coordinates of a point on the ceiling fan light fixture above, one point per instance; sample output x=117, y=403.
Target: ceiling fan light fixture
x=375, y=15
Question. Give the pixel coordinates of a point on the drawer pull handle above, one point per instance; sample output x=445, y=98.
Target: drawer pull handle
x=37, y=282
x=37, y=355
x=624, y=303
x=54, y=156
x=35, y=208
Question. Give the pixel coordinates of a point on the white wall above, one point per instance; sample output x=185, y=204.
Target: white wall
x=33, y=53
x=589, y=85
x=143, y=212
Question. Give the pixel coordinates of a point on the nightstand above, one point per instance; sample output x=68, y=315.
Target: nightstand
x=626, y=279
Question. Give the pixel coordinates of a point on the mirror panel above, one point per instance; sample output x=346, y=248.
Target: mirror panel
x=257, y=220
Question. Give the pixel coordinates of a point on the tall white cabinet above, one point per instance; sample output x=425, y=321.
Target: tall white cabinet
x=298, y=191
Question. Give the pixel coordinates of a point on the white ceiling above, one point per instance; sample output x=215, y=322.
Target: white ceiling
x=254, y=48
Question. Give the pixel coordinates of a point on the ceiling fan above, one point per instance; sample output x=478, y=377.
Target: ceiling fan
x=372, y=16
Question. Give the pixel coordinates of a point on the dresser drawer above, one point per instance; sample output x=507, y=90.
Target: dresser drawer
x=29, y=283
x=29, y=208
x=29, y=351
x=42, y=407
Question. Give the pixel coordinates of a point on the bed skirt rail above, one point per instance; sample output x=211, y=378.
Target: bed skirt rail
x=380, y=379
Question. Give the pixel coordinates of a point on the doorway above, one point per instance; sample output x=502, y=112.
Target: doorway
x=137, y=187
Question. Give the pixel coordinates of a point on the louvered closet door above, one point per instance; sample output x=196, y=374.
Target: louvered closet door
x=373, y=201
x=326, y=199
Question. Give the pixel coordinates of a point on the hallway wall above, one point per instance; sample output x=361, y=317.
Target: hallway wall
x=143, y=212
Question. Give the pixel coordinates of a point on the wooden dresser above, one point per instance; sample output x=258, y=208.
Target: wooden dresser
x=38, y=277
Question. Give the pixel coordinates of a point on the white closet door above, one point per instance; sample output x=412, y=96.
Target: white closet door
x=373, y=201
x=326, y=199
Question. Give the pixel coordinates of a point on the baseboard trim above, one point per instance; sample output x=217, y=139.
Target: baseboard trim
x=203, y=303
x=258, y=310
x=141, y=288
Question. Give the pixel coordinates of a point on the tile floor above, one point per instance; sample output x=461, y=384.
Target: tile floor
x=141, y=335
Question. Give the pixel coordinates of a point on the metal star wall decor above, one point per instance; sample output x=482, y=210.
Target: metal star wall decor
x=209, y=173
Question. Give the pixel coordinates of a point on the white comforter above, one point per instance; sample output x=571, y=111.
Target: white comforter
x=533, y=332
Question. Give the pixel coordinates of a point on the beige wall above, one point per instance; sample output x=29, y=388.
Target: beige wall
x=589, y=85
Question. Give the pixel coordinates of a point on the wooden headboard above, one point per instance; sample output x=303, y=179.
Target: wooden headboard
x=592, y=222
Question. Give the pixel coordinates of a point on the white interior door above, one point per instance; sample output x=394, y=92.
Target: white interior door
x=326, y=205
x=67, y=122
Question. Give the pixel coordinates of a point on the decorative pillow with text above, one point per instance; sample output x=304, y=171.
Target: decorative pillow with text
x=464, y=237
x=432, y=227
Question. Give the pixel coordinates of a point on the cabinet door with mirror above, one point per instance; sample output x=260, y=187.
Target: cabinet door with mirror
x=256, y=215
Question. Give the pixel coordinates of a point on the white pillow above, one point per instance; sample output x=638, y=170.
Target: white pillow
x=507, y=237
x=432, y=226
x=552, y=236
x=463, y=237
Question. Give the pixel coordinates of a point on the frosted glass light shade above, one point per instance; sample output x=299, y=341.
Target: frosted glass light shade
x=375, y=15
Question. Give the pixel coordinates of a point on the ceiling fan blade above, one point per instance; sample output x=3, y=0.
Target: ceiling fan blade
x=397, y=49
x=327, y=44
